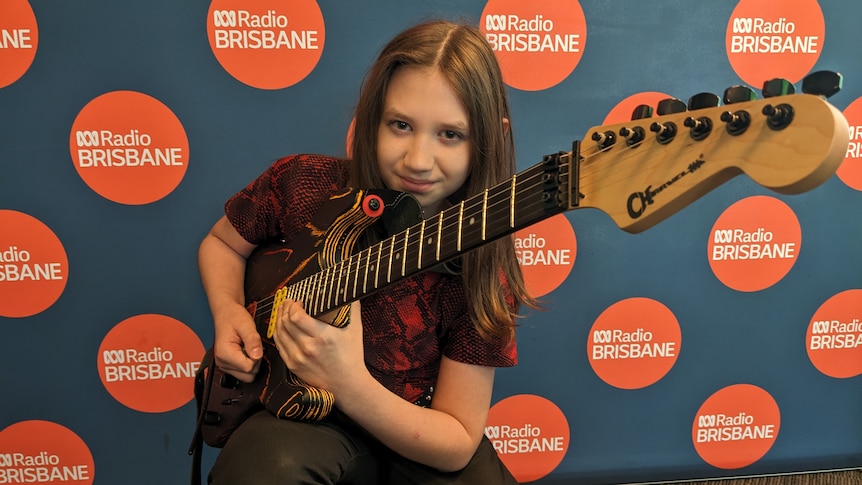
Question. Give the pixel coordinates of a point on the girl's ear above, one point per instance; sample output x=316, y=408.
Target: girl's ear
x=506, y=126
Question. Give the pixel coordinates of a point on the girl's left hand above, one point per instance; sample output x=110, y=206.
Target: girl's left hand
x=323, y=356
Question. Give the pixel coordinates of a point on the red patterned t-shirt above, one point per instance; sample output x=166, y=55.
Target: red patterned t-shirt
x=408, y=326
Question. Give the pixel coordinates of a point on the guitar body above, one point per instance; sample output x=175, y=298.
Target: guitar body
x=343, y=224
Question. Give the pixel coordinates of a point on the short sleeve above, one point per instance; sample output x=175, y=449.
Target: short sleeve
x=278, y=203
x=463, y=342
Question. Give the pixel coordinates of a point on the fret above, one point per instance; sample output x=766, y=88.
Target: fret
x=345, y=277
x=334, y=285
x=377, y=266
x=472, y=231
x=404, y=252
x=389, y=266
x=499, y=211
x=449, y=237
x=321, y=290
x=367, y=267
x=421, y=245
x=439, y=234
x=338, y=276
x=318, y=291
x=356, y=274
x=431, y=242
x=306, y=295
x=460, y=223
x=330, y=288
x=308, y=288
x=292, y=291
x=484, y=212
x=512, y=203
x=343, y=281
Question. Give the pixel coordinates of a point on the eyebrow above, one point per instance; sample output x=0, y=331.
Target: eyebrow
x=394, y=113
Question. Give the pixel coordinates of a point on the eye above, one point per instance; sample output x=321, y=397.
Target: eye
x=399, y=125
x=452, y=135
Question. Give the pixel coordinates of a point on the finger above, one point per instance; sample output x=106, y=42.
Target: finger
x=238, y=365
x=298, y=323
x=251, y=344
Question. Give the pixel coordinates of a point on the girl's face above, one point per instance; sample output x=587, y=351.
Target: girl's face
x=422, y=144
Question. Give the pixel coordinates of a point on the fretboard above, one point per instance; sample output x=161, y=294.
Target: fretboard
x=531, y=196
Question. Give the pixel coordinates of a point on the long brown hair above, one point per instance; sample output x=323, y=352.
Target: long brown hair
x=466, y=60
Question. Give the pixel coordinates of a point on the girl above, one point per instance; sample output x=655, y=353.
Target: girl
x=412, y=374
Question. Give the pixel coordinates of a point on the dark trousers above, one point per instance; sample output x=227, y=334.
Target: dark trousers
x=266, y=450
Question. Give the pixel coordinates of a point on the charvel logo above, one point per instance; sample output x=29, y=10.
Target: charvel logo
x=638, y=201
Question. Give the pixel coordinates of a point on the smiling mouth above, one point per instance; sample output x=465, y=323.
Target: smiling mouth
x=416, y=186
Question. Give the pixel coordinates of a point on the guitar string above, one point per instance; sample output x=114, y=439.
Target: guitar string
x=532, y=207
x=325, y=275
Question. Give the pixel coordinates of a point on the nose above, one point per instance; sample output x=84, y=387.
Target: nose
x=419, y=156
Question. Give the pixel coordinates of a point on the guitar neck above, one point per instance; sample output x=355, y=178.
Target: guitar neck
x=537, y=193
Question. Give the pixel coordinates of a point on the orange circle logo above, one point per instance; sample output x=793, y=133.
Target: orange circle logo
x=834, y=337
x=33, y=265
x=767, y=39
x=44, y=452
x=266, y=45
x=754, y=243
x=850, y=170
x=736, y=426
x=622, y=112
x=538, y=44
x=148, y=363
x=530, y=434
x=634, y=343
x=546, y=251
x=129, y=148
x=19, y=39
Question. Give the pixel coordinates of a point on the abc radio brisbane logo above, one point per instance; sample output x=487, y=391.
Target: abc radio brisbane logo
x=44, y=452
x=148, y=362
x=530, y=434
x=34, y=267
x=19, y=40
x=766, y=39
x=538, y=44
x=736, y=426
x=834, y=335
x=287, y=38
x=754, y=243
x=133, y=156
x=850, y=171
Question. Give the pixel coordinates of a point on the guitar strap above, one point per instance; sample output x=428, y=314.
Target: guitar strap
x=202, y=387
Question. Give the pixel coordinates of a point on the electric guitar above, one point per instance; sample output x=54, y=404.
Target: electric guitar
x=639, y=172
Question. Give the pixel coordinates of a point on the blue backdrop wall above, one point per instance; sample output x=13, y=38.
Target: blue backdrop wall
x=98, y=262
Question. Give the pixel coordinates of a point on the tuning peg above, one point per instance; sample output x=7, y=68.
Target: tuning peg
x=739, y=94
x=642, y=111
x=703, y=100
x=822, y=83
x=670, y=106
x=736, y=121
x=633, y=135
x=778, y=117
x=777, y=87
x=604, y=139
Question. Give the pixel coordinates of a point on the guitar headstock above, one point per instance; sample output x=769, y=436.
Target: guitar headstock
x=789, y=144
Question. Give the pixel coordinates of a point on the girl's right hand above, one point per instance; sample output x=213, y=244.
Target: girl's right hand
x=237, y=348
